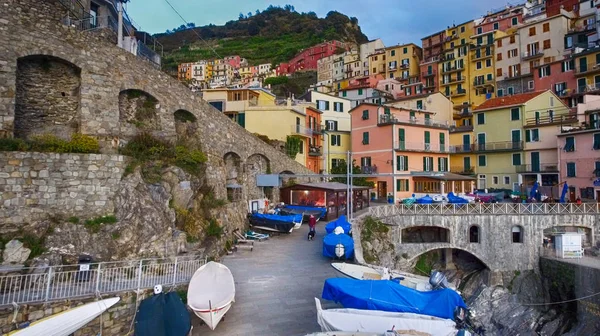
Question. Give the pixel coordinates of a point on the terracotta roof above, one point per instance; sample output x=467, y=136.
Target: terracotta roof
x=500, y=102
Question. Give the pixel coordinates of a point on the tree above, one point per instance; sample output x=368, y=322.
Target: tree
x=241, y=16
x=257, y=12
x=253, y=29
x=357, y=181
x=191, y=25
x=249, y=14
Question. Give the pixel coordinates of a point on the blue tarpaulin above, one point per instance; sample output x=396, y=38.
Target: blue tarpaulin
x=319, y=212
x=389, y=296
x=564, y=193
x=331, y=240
x=341, y=222
x=453, y=199
x=163, y=315
x=279, y=218
x=534, y=190
x=424, y=200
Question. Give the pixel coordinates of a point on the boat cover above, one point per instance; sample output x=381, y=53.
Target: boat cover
x=453, y=199
x=319, y=212
x=341, y=222
x=331, y=240
x=163, y=315
x=424, y=200
x=282, y=223
x=389, y=296
x=212, y=286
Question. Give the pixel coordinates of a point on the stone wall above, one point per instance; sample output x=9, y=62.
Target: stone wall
x=33, y=185
x=495, y=247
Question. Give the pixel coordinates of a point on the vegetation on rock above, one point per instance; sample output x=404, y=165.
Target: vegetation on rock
x=95, y=224
x=372, y=229
x=297, y=84
x=293, y=144
x=274, y=35
x=357, y=181
x=79, y=143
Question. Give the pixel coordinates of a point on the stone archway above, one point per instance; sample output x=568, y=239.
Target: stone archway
x=257, y=164
x=287, y=181
x=138, y=112
x=444, y=249
x=425, y=234
x=48, y=95
x=186, y=126
x=233, y=176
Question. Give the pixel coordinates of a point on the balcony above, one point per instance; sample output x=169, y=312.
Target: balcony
x=403, y=146
x=429, y=73
x=368, y=169
x=482, y=83
x=551, y=120
x=587, y=69
x=504, y=146
x=465, y=148
x=451, y=69
x=460, y=92
x=538, y=168
x=529, y=55
x=592, y=88
x=462, y=114
x=305, y=131
x=462, y=170
x=457, y=79
x=461, y=129
x=431, y=60
x=314, y=151
x=518, y=74
x=387, y=119
x=428, y=85
x=481, y=56
x=451, y=38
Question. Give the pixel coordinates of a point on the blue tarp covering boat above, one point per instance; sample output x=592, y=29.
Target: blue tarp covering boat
x=330, y=242
x=424, y=200
x=341, y=222
x=453, y=199
x=278, y=223
x=389, y=296
x=163, y=315
x=306, y=211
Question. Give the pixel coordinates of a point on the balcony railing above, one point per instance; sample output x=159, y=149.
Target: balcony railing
x=588, y=68
x=314, y=151
x=429, y=73
x=517, y=74
x=532, y=54
x=538, y=168
x=462, y=170
x=462, y=114
x=460, y=92
x=504, y=146
x=93, y=23
x=452, y=68
x=75, y=8
x=588, y=88
x=457, y=79
x=465, y=148
x=387, y=119
x=460, y=129
x=420, y=147
x=368, y=169
x=557, y=119
x=303, y=131
x=481, y=82
x=386, y=211
x=480, y=56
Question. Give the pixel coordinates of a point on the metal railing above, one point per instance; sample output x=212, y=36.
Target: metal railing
x=568, y=118
x=532, y=54
x=392, y=119
x=538, y=168
x=588, y=88
x=499, y=146
x=485, y=209
x=465, y=148
x=463, y=128
x=462, y=170
x=429, y=73
x=93, y=23
x=420, y=147
x=368, y=169
x=75, y=8
x=70, y=281
x=590, y=67
x=314, y=151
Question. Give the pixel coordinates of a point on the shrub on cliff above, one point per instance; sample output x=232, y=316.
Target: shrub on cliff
x=79, y=143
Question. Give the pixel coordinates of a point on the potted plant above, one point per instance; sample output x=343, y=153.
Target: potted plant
x=373, y=195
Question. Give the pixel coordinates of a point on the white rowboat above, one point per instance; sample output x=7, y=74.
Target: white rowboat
x=67, y=322
x=211, y=293
x=375, y=321
x=360, y=272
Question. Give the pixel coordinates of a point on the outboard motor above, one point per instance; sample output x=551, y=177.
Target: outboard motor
x=438, y=280
x=339, y=250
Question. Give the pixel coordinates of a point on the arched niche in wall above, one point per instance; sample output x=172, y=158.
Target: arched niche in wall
x=186, y=126
x=138, y=112
x=257, y=164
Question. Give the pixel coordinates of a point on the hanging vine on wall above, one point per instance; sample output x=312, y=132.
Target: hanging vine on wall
x=292, y=146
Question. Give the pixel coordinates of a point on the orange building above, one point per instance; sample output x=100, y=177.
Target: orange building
x=184, y=71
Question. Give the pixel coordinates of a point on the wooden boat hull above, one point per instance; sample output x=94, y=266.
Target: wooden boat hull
x=214, y=316
x=361, y=272
x=211, y=293
x=67, y=322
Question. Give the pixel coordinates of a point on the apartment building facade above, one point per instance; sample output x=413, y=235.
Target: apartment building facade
x=433, y=48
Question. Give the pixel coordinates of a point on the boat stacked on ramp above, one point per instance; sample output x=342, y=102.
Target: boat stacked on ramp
x=361, y=272
x=67, y=322
x=211, y=293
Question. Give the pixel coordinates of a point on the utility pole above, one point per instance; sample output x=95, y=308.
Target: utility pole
x=348, y=165
x=120, y=27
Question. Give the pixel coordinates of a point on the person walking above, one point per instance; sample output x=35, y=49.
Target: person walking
x=312, y=223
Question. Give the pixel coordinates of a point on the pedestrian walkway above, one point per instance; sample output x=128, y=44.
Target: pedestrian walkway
x=275, y=287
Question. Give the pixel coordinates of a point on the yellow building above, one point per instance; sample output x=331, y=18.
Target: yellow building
x=587, y=71
x=482, y=68
x=377, y=64
x=403, y=61
x=454, y=64
x=509, y=131
x=234, y=102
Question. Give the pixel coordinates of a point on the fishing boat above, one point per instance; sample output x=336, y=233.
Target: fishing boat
x=338, y=245
x=380, y=321
x=67, y=322
x=361, y=272
x=305, y=211
x=163, y=314
x=275, y=223
x=211, y=293
x=390, y=296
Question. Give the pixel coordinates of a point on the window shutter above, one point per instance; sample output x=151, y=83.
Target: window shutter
x=398, y=162
x=424, y=163
x=405, y=163
x=398, y=184
x=549, y=72
x=442, y=139
x=406, y=189
x=540, y=72
x=439, y=164
x=335, y=125
x=401, y=134
x=427, y=137
x=528, y=135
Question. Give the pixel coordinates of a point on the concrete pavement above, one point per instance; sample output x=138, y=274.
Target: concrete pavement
x=275, y=287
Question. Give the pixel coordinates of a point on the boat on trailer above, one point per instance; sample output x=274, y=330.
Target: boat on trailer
x=361, y=272
x=211, y=293
x=305, y=211
x=275, y=223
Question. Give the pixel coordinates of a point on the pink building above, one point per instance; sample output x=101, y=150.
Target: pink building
x=234, y=61
x=579, y=152
x=405, y=142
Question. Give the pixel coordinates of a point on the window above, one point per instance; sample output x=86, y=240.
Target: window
x=517, y=234
x=532, y=135
x=344, y=93
x=365, y=115
x=479, y=30
x=402, y=185
x=462, y=29
x=474, y=234
x=478, y=66
x=365, y=161
x=442, y=142
x=512, y=53
x=496, y=26
x=442, y=164
x=547, y=44
x=336, y=162
x=500, y=93
x=480, y=118
x=532, y=31
x=597, y=169
x=512, y=39
x=515, y=21
x=405, y=50
x=569, y=144
x=596, y=141
x=338, y=107
x=331, y=125
x=323, y=105
x=516, y=159
x=546, y=27
x=336, y=140
x=402, y=163
x=495, y=180
x=499, y=43
x=510, y=90
x=515, y=113
x=571, y=169
x=427, y=138
x=488, y=63
x=481, y=161
x=507, y=180
x=544, y=71
x=365, y=138
x=360, y=92
x=499, y=72
x=427, y=163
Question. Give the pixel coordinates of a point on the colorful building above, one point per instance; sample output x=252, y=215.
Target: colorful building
x=234, y=102
x=184, y=71
x=364, y=93
x=453, y=69
x=403, y=63
x=307, y=58
x=578, y=150
x=406, y=142
x=432, y=51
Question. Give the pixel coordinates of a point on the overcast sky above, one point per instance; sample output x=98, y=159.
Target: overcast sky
x=394, y=21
